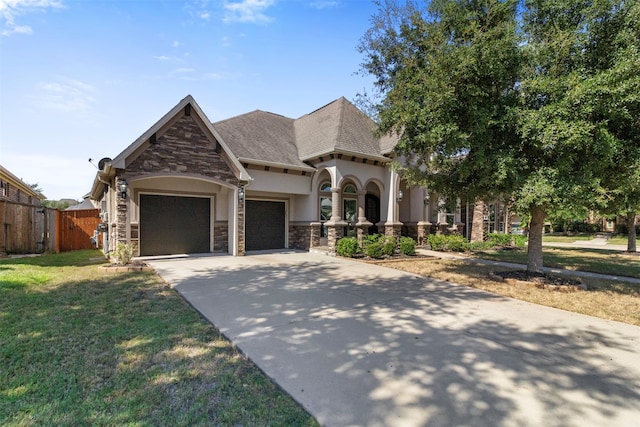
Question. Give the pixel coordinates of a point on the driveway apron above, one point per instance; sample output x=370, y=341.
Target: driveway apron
x=363, y=345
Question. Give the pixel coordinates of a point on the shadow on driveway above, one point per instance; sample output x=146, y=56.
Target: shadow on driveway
x=359, y=344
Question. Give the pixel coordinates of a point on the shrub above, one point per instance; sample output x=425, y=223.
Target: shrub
x=457, y=243
x=123, y=253
x=497, y=239
x=348, y=247
x=388, y=245
x=480, y=245
x=374, y=250
x=623, y=229
x=441, y=242
x=407, y=246
x=437, y=242
x=519, y=241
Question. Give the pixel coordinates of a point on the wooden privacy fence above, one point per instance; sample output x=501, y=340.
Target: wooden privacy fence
x=26, y=228
x=75, y=228
x=32, y=229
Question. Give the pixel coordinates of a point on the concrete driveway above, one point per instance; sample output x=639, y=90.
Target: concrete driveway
x=362, y=345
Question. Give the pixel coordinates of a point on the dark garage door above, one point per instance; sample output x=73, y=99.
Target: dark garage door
x=264, y=225
x=174, y=225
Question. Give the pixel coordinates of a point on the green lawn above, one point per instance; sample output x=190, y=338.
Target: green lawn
x=579, y=259
x=78, y=347
x=618, y=240
x=557, y=238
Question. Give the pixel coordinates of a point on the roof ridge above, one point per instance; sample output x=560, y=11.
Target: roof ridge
x=250, y=113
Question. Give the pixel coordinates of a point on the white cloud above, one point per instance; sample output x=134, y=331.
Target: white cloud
x=11, y=9
x=324, y=4
x=247, y=11
x=65, y=95
x=175, y=43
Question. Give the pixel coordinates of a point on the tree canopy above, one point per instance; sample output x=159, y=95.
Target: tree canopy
x=496, y=97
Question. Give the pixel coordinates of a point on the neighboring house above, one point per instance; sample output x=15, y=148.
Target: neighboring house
x=260, y=181
x=23, y=223
x=86, y=203
x=13, y=189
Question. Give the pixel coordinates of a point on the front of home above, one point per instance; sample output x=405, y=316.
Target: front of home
x=260, y=181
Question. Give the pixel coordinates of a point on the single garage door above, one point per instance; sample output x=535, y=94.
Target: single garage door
x=174, y=225
x=264, y=225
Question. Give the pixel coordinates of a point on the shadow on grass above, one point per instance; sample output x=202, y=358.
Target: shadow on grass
x=124, y=350
x=357, y=345
x=580, y=259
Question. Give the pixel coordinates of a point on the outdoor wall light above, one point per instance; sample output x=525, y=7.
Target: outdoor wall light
x=426, y=199
x=241, y=194
x=123, y=188
x=399, y=196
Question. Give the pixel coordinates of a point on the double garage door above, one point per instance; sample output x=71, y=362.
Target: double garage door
x=182, y=225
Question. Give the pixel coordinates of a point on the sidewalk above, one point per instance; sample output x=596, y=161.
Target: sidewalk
x=457, y=256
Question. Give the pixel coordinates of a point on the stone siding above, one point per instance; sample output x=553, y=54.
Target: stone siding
x=303, y=234
x=183, y=149
x=221, y=236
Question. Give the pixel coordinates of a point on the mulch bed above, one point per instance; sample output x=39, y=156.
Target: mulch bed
x=120, y=268
x=539, y=280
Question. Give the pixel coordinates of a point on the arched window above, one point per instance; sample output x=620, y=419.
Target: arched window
x=350, y=189
x=325, y=187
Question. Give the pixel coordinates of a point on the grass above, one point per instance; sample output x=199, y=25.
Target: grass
x=618, y=240
x=607, y=299
x=566, y=239
x=579, y=259
x=78, y=347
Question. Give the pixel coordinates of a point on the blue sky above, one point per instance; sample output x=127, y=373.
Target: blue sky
x=84, y=79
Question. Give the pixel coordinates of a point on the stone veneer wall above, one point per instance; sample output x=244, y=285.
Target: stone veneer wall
x=221, y=236
x=184, y=148
x=301, y=235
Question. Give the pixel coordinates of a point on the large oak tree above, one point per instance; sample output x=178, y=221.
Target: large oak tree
x=482, y=94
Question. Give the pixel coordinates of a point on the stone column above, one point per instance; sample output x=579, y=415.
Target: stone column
x=362, y=226
x=122, y=220
x=335, y=205
x=393, y=226
x=335, y=225
x=424, y=229
x=240, y=227
x=314, y=234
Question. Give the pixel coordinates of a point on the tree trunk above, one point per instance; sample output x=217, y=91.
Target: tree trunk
x=477, y=225
x=534, y=252
x=631, y=226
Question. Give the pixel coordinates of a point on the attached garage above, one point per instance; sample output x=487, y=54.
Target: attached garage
x=265, y=225
x=174, y=225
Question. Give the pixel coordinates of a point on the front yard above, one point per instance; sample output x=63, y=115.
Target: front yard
x=78, y=347
x=607, y=299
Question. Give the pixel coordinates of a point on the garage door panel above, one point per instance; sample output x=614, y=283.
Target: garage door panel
x=174, y=225
x=265, y=223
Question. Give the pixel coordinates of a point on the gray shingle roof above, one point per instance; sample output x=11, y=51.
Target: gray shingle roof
x=261, y=136
x=337, y=127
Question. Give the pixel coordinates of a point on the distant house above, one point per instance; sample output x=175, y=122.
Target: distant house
x=23, y=222
x=262, y=181
x=14, y=189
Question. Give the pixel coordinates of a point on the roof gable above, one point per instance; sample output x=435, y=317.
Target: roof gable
x=187, y=106
x=337, y=127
